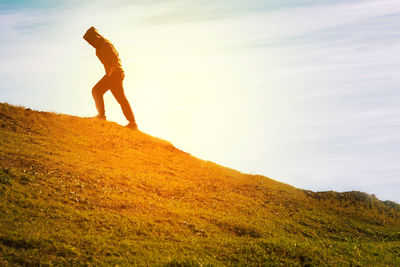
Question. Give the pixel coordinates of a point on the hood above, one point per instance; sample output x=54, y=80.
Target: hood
x=93, y=37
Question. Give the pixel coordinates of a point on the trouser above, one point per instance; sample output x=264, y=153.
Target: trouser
x=114, y=84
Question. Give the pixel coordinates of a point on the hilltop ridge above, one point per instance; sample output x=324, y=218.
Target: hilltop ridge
x=79, y=191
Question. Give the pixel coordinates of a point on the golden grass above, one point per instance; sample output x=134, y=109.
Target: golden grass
x=78, y=191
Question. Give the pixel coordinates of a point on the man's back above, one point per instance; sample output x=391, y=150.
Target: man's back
x=108, y=55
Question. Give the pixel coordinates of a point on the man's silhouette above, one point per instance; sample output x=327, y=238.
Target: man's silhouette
x=112, y=80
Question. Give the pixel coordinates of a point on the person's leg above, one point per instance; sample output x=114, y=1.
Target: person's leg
x=117, y=90
x=98, y=91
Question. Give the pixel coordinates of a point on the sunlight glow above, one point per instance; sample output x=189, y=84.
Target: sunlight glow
x=303, y=92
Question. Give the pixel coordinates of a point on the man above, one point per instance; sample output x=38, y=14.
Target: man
x=113, y=78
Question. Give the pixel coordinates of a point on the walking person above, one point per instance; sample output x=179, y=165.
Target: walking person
x=112, y=80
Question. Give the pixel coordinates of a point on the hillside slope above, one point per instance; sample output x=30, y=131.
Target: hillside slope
x=77, y=191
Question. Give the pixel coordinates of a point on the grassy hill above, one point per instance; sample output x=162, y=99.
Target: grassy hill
x=77, y=191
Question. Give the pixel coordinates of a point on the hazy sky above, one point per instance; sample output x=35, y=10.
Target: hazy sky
x=304, y=92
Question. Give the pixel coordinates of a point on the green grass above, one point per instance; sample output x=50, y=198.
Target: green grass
x=79, y=191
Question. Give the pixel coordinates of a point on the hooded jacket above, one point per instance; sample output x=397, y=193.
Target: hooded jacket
x=105, y=51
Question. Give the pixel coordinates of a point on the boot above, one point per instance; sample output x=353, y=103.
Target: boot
x=132, y=125
x=101, y=117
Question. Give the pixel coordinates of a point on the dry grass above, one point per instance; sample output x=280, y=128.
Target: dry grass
x=84, y=192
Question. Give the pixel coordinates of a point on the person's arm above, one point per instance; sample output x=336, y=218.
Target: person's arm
x=113, y=60
x=111, y=70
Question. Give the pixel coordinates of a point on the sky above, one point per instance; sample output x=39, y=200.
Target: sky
x=304, y=92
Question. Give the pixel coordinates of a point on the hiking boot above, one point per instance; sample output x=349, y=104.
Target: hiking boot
x=132, y=125
x=100, y=117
